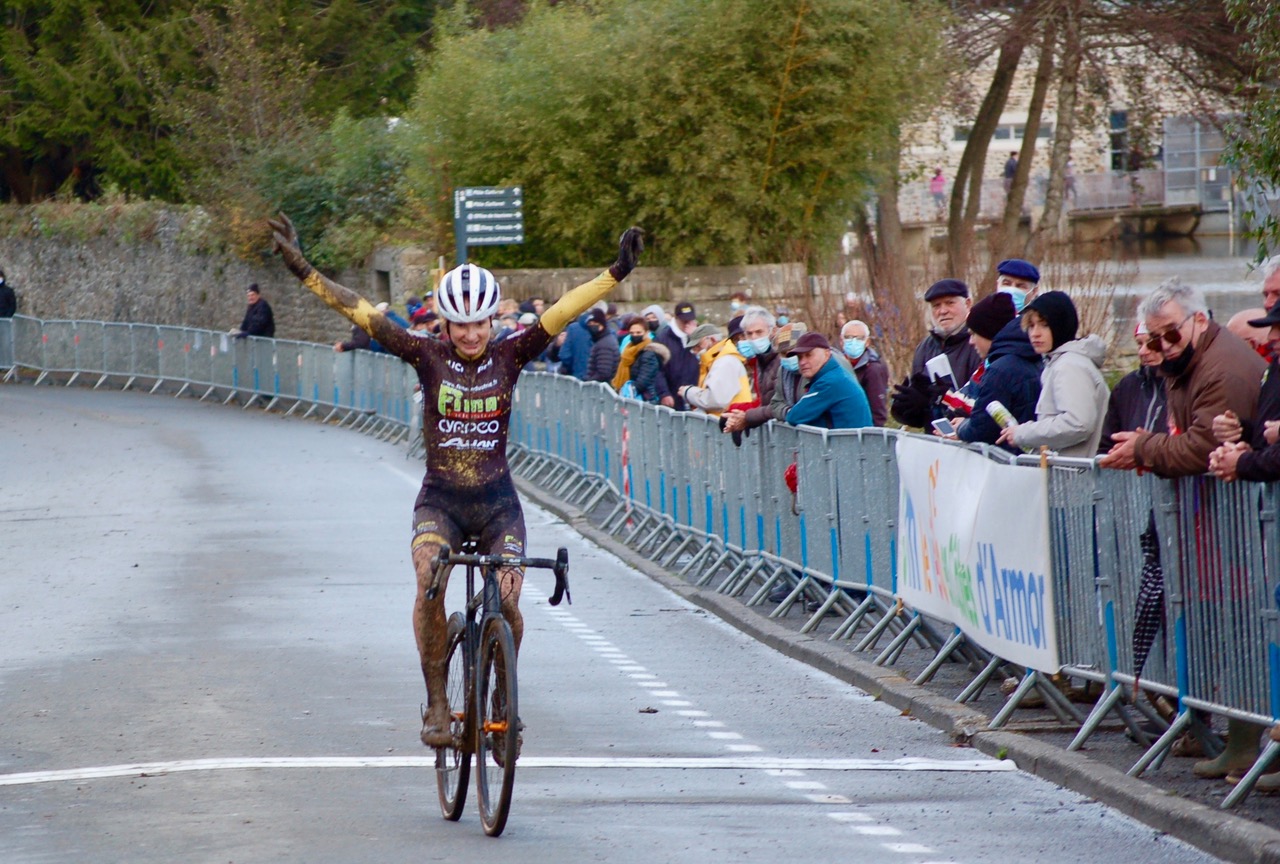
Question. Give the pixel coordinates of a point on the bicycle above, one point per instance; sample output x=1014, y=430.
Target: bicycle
x=481, y=685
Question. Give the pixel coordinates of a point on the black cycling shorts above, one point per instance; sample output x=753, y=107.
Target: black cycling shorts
x=492, y=514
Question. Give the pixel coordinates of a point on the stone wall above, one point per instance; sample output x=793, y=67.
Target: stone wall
x=157, y=279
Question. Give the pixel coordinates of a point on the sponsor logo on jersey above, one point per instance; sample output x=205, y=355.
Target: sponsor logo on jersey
x=453, y=402
x=467, y=427
x=470, y=444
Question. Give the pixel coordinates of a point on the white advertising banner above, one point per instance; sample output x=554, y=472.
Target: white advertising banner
x=973, y=549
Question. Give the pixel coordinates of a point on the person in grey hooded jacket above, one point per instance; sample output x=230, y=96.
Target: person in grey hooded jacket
x=1073, y=394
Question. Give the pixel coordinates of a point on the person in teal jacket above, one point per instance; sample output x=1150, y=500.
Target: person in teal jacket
x=835, y=399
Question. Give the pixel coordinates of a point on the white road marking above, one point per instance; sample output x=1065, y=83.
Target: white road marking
x=828, y=799
x=428, y=762
x=910, y=848
x=849, y=817
x=877, y=830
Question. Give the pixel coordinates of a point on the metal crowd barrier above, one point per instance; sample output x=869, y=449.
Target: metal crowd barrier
x=679, y=491
x=682, y=493
x=371, y=392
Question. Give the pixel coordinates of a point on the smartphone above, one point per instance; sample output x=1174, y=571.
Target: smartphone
x=944, y=427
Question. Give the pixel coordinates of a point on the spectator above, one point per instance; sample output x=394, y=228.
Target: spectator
x=791, y=385
x=538, y=304
x=1207, y=372
x=868, y=368
x=1258, y=338
x=642, y=361
x=782, y=315
x=834, y=399
x=8, y=300
x=1073, y=394
x=1010, y=171
x=359, y=341
x=1271, y=282
x=938, y=191
x=1019, y=279
x=575, y=351
x=412, y=303
x=738, y=302
x=423, y=322
x=1009, y=374
x=722, y=376
x=1249, y=450
x=756, y=345
x=392, y=315
x=915, y=401
x=603, y=359
x=1138, y=402
x=682, y=368
x=258, y=320
x=654, y=317
x=634, y=337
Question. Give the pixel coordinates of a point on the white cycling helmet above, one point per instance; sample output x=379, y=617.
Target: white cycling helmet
x=468, y=293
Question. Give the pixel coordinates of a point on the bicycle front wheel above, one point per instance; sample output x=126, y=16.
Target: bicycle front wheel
x=498, y=738
x=453, y=763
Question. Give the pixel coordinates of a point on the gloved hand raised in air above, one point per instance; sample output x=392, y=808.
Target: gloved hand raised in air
x=629, y=248
x=285, y=243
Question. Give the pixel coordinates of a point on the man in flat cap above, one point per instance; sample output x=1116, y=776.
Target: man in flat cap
x=915, y=401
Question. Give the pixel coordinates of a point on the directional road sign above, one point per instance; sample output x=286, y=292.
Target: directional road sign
x=487, y=216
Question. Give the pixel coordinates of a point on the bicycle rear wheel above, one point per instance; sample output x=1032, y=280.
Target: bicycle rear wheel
x=453, y=763
x=498, y=738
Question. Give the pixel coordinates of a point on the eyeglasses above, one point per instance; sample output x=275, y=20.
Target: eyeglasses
x=1170, y=337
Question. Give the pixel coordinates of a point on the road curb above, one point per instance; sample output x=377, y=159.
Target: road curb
x=1215, y=831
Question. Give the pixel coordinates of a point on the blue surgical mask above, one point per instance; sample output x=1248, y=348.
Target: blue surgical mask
x=792, y=364
x=1017, y=294
x=855, y=347
x=749, y=348
x=735, y=306
x=782, y=319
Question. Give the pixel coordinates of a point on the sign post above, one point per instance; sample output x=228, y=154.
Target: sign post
x=487, y=216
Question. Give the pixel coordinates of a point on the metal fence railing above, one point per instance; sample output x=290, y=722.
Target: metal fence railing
x=682, y=493
x=373, y=392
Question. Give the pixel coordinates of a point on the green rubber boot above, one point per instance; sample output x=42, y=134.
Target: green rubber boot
x=1238, y=757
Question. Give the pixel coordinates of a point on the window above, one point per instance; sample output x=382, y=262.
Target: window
x=1119, y=140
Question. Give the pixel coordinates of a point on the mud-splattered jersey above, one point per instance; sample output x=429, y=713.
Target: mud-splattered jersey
x=466, y=404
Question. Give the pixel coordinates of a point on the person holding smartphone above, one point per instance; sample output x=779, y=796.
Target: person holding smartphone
x=1009, y=373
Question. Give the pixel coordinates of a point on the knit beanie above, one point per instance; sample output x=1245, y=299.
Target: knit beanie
x=1059, y=312
x=989, y=315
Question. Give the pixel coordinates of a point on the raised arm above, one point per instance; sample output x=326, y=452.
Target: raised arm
x=340, y=298
x=578, y=300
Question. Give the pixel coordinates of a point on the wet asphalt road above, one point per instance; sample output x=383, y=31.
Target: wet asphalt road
x=224, y=596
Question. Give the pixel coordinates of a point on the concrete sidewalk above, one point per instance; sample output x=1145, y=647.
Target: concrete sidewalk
x=1165, y=803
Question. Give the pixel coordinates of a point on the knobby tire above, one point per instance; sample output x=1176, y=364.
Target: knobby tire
x=498, y=734
x=453, y=764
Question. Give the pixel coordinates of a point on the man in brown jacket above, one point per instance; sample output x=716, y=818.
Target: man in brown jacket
x=1207, y=371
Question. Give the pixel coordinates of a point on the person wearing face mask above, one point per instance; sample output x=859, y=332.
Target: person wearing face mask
x=722, y=378
x=1019, y=279
x=738, y=302
x=1207, y=370
x=916, y=401
x=755, y=345
x=602, y=362
x=654, y=318
x=8, y=300
x=868, y=367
